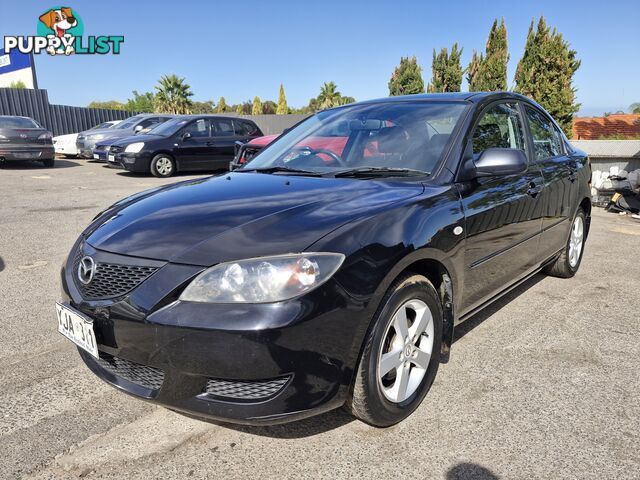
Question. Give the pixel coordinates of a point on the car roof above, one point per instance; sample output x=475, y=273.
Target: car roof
x=474, y=97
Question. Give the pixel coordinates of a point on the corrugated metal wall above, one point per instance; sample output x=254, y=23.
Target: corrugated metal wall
x=59, y=119
x=63, y=119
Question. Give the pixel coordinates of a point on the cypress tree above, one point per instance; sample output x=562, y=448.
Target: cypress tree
x=545, y=73
x=406, y=78
x=488, y=72
x=257, y=106
x=282, y=109
x=222, y=106
x=446, y=71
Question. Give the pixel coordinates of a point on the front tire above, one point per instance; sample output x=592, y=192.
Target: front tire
x=162, y=166
x=568, y=263
x=49, y=162
x=401, y=353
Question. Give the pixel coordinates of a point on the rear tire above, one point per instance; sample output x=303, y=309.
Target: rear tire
x=410, y=353
x=162, y=166
x=568, y=263
x=49, y=163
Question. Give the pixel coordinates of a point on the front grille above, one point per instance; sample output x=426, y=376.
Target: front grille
x=116, y=149
x=145, y=376
x=245, y=389
x=111, y=280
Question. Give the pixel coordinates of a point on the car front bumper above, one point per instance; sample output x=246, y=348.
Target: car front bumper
x=243, y=363
x=10, y=152
x=134, y=162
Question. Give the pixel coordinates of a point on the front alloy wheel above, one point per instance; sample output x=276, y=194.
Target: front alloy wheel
x=401, y=353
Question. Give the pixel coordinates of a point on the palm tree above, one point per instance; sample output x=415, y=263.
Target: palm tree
x=173, y=95
x=329, y=96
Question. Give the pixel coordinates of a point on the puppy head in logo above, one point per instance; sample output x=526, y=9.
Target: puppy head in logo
x=60, y=22
x=86, y=270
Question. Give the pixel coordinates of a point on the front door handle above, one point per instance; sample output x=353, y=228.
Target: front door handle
x=209, y=144
x=534, y=189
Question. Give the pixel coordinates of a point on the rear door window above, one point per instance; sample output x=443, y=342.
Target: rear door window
x=545, y=136
x=244, y=129
x=223, y=128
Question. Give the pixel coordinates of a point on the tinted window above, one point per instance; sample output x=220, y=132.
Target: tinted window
x=149, y=122
x=546, y=139
x=223, y=128
x=17, y=122
x=128, y=123
x=198, y=129
x=245, y=128
x=499, y=127
x=404, y=134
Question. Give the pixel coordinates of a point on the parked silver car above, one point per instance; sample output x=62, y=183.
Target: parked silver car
x=22, y=138
x=87, y=140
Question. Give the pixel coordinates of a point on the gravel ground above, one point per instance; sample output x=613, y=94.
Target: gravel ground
x=544, y=384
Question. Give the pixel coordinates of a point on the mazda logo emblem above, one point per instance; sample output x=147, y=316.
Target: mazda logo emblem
x=86, y=270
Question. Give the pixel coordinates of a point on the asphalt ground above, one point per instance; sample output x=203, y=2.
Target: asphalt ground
x=544, y=384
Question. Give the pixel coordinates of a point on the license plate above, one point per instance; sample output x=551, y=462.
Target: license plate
x=96, y=156
x=112, y=158
x=27, y=155
x=77, y=328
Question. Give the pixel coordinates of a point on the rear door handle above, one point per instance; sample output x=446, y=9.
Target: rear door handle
x=534, y=190
x=209, y=144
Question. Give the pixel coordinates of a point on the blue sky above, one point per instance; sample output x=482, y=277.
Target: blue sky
x=242, y=49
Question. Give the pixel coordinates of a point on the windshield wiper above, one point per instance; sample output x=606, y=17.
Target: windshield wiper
x=281, y=169
x=379, y=171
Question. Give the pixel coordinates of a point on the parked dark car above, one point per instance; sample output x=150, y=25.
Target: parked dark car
x=22, y=138
x=185, y=143
x=312, y=277
x=87, y=140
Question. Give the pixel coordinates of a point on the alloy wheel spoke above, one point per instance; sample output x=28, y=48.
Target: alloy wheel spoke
x=400, y=323
x=401, y=383
x=422, y=320
x=390, y=361
x=421, y=358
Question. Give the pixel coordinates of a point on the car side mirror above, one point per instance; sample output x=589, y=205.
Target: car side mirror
x=186, y=136
x=500, y=161
x=138, y=128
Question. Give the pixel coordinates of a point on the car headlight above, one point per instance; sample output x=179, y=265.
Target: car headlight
x=95, y=137
x=45, y=136
x=134, y=147
x=264, y=279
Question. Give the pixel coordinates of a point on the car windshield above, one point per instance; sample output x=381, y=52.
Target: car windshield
x=128, y=123
x=169, y=127
x=17, y=122
x=103, y=125
x=368, y=137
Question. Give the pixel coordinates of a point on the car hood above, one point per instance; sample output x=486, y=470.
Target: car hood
x=137, y=138
x=239, y=215
x=66, y=138
x=109, y=133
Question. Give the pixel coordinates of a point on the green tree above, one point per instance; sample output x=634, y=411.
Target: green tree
x=635, y=108
x=222, y=106
x=545, y=73
x=406, y=78
x=256, y=109
x=206, y=107
x=446, y=70
x=488, y=72
x=18, y=84
x=109, y=105
x=239, y=109
x=282, y=109
x=141, y=102
x=174, y=95
x=269, y=107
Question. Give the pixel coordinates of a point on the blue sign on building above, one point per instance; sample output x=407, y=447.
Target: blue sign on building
x=17, y=66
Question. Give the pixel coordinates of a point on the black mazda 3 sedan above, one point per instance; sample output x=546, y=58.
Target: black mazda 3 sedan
x=334, y=267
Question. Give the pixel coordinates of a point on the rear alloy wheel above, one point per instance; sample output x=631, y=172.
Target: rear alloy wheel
x=567, y=264
x=401, y=353
x=49, y=163
x=162, y=166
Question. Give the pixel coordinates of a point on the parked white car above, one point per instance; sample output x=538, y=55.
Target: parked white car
x=66, y=144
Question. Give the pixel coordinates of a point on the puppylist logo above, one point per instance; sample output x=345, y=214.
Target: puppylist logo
x=60, y=32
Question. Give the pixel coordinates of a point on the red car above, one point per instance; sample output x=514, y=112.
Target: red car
x=246, y=151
